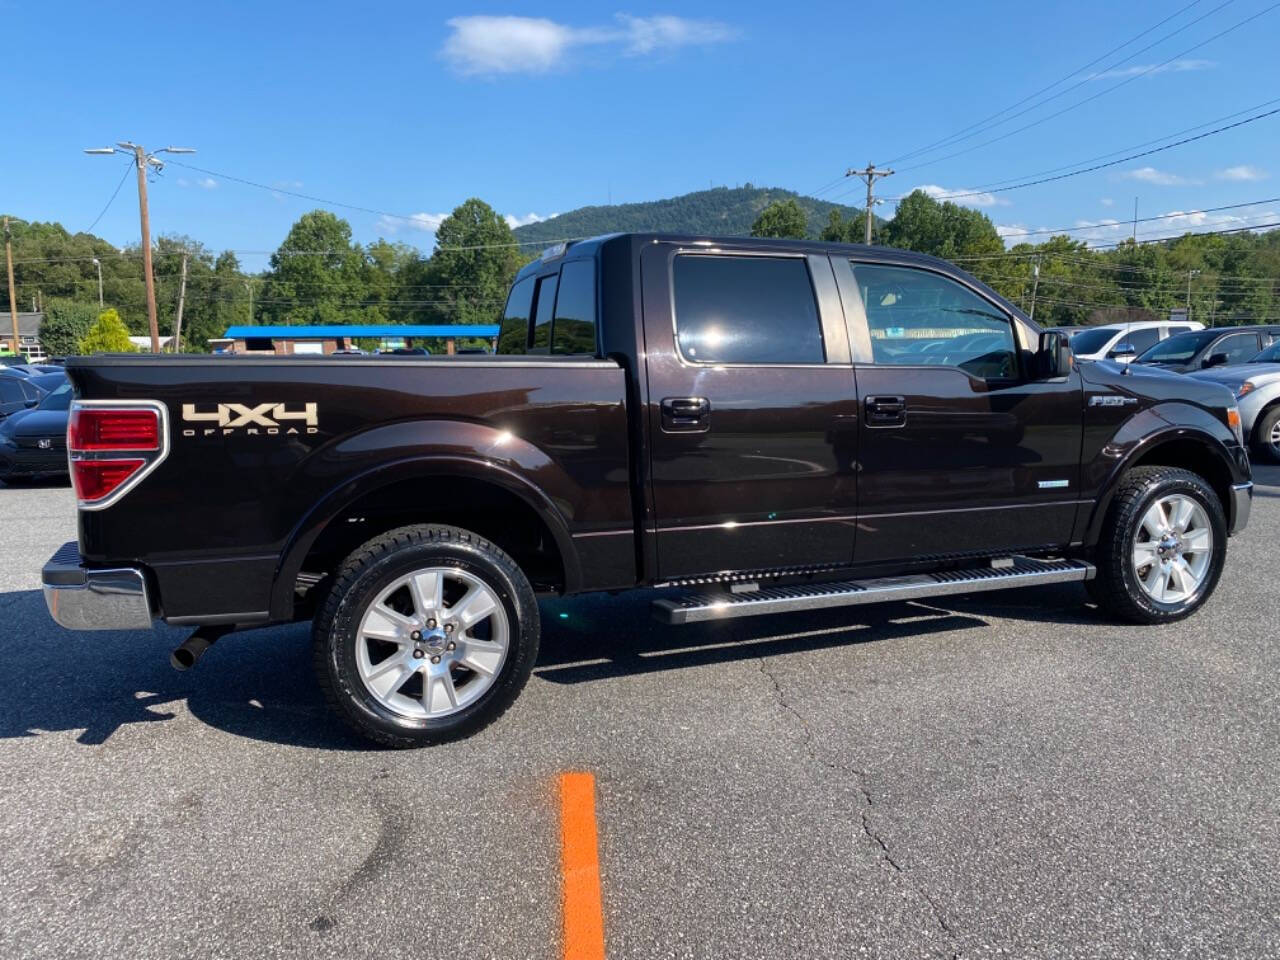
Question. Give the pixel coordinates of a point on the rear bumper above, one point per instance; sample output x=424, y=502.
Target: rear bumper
x=1241, y=505
x=83, y=598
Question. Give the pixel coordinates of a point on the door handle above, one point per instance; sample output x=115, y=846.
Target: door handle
x=686, y=414
x=885, y=411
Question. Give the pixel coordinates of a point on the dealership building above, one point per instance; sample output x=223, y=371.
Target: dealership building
x=437, y=338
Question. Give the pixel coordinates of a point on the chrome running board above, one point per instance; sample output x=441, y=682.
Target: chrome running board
x=1004, y=575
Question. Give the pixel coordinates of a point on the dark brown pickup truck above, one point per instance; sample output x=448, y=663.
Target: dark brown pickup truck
x=760, y=426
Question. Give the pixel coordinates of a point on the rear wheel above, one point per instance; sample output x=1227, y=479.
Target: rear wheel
x=1266, y=436
x=1162, y=548
x=428, y=634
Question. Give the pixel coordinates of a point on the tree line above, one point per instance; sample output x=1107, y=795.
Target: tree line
x=1224, y=278
x=319, y=275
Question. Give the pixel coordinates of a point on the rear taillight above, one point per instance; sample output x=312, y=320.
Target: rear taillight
x=112, y=445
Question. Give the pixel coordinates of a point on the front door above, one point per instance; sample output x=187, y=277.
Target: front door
x=961, y=451
x=752, y=412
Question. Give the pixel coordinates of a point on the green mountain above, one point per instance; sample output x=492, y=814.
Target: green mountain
x=727, y=211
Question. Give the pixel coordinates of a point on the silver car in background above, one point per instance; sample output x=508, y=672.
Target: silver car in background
x=1256, y=385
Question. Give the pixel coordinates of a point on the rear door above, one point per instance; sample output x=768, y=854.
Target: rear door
x=961, y=452
x=752, y=412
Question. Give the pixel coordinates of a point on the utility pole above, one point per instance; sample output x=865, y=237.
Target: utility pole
x=98, y=263
x=182, y=294
x=248, y=285
x=1035, y=284
x=13, y=293
x=142, y=160
x=868, y=176
x=1135, y=219
x=1190, y=274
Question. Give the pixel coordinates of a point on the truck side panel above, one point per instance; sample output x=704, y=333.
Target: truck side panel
x=257, y=443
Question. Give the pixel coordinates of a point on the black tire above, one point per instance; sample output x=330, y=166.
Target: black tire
x=1116, y=589
x=1263, y=449
x=356, y=585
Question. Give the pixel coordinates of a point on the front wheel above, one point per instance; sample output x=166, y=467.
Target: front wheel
x=427, y=634
x=1266, y=436
x=1162, y=547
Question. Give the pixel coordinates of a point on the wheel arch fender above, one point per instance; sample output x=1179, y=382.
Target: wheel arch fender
x=1177, y=435
x=427, y=450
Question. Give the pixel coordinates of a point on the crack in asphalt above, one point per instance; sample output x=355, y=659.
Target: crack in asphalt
x=886, y=855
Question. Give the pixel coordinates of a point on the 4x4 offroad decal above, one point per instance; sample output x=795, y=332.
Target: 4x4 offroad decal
x=262, y=418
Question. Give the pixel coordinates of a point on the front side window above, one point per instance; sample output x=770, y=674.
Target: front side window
x=1178, y=349
x=918, y=317
x=746, y=310
x=574, y=329
x=513, y=336
x=1237, y=348
x=1140, y=340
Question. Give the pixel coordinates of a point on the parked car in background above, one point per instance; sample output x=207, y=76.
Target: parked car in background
x=46, y=383
x=1217, y=347
x=33, y=442
x=17, y=393
x=1256, y=385
x=1122, y=342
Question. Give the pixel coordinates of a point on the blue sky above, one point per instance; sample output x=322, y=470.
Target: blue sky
x=409, y=108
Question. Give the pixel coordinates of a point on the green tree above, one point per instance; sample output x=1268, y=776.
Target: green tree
x=850, y=230
x=65, y=324
x=107, y=335
x=782, y=218
x=472, y=266
x=316, y=276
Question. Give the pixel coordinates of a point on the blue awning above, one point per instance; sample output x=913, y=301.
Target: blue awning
x=374, y=331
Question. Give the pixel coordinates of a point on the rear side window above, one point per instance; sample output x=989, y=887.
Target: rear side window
x=1141, y=340
x=574, y=330
x=513, y=337
x=746, y=310
x=545, y=305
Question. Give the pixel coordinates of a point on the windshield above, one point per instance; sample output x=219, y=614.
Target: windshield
x=1178, y=349
x=1269, y=355
x=60, y=399
x=1091, y=341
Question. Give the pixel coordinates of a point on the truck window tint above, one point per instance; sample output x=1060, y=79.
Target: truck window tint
x=746, y=310
x=574, y=330
x=1141, y=340
x=513, y=336
x=546, y=302
x=1238, y=347
x=917, y=317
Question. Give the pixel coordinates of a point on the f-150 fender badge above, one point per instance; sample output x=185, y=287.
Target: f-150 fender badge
x=267, y=419
x=1113, y=400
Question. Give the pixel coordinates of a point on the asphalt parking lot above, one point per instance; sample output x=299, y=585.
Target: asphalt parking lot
x=1002, y=775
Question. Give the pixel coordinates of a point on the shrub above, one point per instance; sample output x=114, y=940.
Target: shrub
x=107, y=335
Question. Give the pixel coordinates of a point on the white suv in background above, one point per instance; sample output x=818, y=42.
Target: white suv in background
x=1122, y=342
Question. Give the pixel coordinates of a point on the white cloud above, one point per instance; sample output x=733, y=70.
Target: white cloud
x=207, y=183
x=488, y=45
x=1161, y=178
x=1152, y=70
x=1174, y=223
x=1107, y=202
x=426, y=222
x=963, y=196
x=514, y=221
x=1243, y=172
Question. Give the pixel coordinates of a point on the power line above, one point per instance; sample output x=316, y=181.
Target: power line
x=1101, y=93
x=1102, y=166
x=1164, y=216
x=952, y=138
x=114, y=193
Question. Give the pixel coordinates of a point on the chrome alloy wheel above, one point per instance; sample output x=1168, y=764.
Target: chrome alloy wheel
x=432, y=642
x=1274, y=438
x=1173, y=549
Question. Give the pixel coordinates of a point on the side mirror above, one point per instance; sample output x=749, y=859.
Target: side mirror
x=1122, y=350
x=1215, y=360
x=30, y=403
x=1054, y=356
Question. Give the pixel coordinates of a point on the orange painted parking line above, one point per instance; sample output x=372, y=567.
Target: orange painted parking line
x=580, y=866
